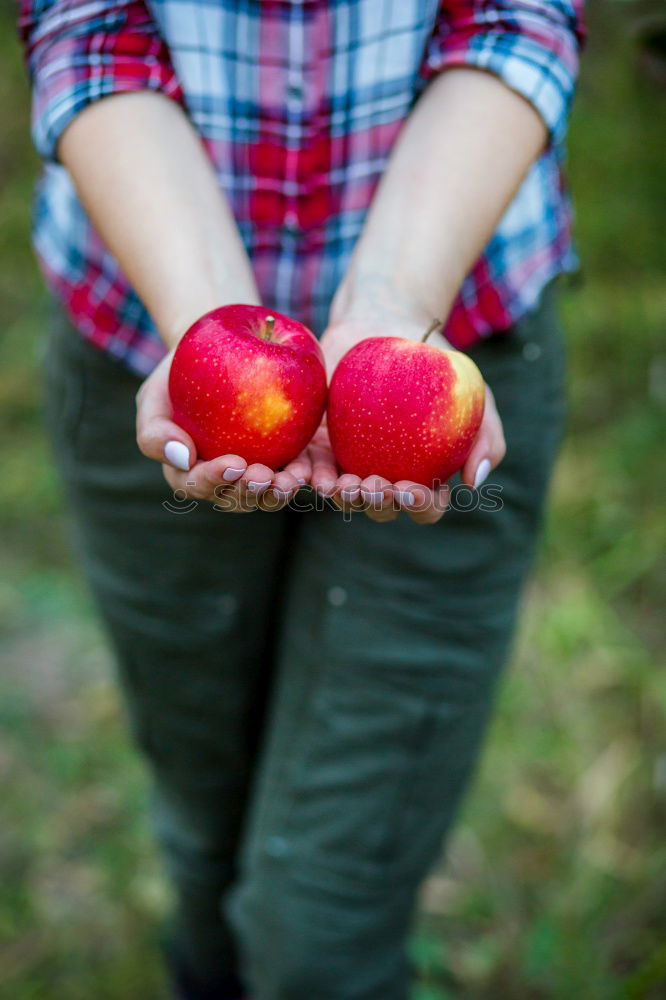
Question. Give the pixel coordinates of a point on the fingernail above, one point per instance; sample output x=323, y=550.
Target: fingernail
x=178, y=454
x=281, y=494
x=231, y=475
x=326, y=489
x=258, y=487
x=404, y=498
x=302, y=481
x=349, y=495
x=372, y=497
x=482, y=472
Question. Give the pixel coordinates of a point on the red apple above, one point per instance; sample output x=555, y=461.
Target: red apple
x=248, y=381
x=404, y=410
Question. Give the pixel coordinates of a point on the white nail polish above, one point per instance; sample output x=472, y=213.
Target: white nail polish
x=281, y=494
x=258, y=487
x=231, y=475
x=302, y=481
x=373, y=497
x=482, y=472
x=178, y=454
x=349, y=495
x=405, y=498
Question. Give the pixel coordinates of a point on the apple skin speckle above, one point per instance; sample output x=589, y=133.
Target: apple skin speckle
x=404, y=410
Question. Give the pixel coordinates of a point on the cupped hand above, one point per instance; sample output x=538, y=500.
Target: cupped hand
x=227, y=481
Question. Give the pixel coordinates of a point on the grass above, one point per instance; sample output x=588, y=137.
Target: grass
x=553, y=886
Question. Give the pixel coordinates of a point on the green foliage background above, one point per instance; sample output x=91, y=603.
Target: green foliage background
x=555, y=882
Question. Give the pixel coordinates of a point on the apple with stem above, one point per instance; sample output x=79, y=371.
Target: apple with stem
x=404, y=409
x=249, y=381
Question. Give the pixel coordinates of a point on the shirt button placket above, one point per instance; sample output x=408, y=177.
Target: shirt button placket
x=290, y=226
x=294, y=107
x=295, y=94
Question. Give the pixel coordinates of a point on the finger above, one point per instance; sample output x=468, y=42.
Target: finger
x=377, y=496
x=348, y=492
x=281, y=492
x=489, y=447
x=218, y=481
x=347, y=495
x=256, y=479
x=204, y=481
x=213, y=481
x=157, y=436
x=405, y=493
x=230, y=468
x=207, y=481
x=165, y=441
x=375, y=490
x=300, y=468
x=252, y=485
x=285, y=482
x=324, y=475
x=214, y=478
x=429, y=504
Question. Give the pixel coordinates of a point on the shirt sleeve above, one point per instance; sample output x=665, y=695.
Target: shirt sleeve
x=533, y=46
x=79, y=51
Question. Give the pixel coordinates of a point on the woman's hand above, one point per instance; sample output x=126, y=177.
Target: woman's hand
x=227, y=481
x=378, y=498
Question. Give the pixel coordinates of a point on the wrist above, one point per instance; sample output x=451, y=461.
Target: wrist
x=370, y=298
x=366, y=297
x=374, y=306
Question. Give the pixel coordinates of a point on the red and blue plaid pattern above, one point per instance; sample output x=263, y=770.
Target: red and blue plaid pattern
x=298, y=103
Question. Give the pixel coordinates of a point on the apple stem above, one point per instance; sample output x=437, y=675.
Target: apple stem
x=269, y=324
x=436, y=324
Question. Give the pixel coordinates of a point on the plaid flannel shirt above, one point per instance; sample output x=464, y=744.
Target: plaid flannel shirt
x=298, y=103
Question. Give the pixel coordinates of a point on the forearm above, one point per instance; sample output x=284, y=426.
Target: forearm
x=145, y=180
x=455, y=167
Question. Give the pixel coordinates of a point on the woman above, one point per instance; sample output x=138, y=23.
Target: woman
x=310, y=690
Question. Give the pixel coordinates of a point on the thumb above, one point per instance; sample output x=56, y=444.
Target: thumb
x=489, y=446
x=157, y=436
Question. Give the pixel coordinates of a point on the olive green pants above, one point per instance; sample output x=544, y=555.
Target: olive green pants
x=311, y=693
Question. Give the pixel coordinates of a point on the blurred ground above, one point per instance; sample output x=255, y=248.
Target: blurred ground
x=555, y=883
